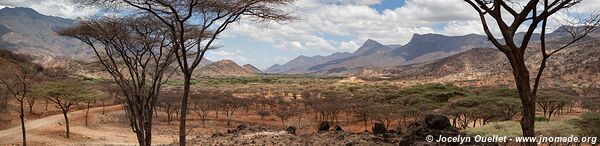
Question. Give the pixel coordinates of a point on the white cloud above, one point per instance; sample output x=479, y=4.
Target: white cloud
x=349, y=46
x=352, y=2
x=353, y=19
x=59, y=8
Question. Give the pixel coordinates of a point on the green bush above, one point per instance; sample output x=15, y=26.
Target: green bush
x=589, y=123
x=541, y=119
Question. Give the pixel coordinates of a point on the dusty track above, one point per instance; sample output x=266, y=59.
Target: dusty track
x=13, y=135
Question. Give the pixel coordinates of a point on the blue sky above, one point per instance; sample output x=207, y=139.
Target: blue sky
x=323, y=27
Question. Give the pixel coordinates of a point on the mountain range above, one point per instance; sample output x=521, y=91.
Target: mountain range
x=25, y=31
x=421, y=48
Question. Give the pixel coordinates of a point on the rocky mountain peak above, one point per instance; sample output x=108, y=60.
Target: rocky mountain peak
x=20, y=11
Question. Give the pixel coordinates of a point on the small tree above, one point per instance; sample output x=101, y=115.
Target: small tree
x=169, y=103
x=66, y=95
x=16, y=76
x=203, y=104
x=551, y=101
x=263, y=114
x=285, y=112
x=31, y=101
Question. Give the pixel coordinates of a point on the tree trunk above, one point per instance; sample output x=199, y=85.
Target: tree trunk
x=67, y=124
x=30, y=108
x=87, y=113
x=22, y=117
x=184, y=104
x=103, y=108
x=522, y=80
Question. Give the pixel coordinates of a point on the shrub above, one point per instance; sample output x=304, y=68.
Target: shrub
x=589, y=123
x=541, y=119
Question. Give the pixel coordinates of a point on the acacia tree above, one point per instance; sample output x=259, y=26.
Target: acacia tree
x=203, y=104
x=16, y=77
x=210, y=17
x=66, y=95
x=169, y=103
x=531, y=15
x=136, y=52
x=551, y=101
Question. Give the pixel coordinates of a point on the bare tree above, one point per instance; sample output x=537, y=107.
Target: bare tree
x=66, y=95
x=137, y=53
x=203, y=104
x=210, y=17
x=531, y=15
x=169, y=103
x=16, y=76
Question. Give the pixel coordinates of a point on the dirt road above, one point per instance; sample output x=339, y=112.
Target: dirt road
x=13, y=135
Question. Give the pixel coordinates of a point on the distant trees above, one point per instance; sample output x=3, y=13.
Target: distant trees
x=591, y=99
x=16, y=77
x=589, y=123
x=31, y=100
x=204, y=102
x=137, y=52
x=552, y=101
x=229, y=105
x=66, y=95
x=510, y=17
x=285, y=111
x=169, y=103
x=263, y=114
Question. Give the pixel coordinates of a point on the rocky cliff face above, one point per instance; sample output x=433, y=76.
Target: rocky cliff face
x=26, y=31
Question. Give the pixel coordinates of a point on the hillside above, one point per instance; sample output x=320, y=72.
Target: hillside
x=225, y=68
x=251, y=69
x=16, y=34
x=421, y=48
x=491, y=66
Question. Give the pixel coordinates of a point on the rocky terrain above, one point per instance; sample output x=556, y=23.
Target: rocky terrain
x=43, y=41
x=327, y=135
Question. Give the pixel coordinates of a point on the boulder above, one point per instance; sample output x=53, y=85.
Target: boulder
x=338, y=128
x=324, y=126
x=242, y=127
x=379, y=128
x=291, y=130
x=437, y=122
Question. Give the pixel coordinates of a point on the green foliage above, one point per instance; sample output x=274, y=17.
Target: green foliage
x=541, y=119
x=435, y=92
x=589, y=123
x=66, y=90
x=513, y=129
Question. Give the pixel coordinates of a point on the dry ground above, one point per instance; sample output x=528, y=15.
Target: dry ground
x=111, y=128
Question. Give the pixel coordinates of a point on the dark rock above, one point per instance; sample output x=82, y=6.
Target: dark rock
x=435, y=125
x=338, y=128
x=387, y=135
x=398, y=131
x=291, y=130
x=379, y=128
x=242, y=127
x=437, y=122
x=352, y=143
x=324, y=126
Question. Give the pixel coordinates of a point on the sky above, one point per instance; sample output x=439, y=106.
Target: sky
x=324, y=26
